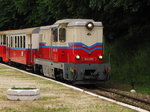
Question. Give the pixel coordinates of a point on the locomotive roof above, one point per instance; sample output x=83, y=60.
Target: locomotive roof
x=77, y=22
x=73, y=20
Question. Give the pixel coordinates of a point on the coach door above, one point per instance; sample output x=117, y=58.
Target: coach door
x=33, y=46
x=29, y=46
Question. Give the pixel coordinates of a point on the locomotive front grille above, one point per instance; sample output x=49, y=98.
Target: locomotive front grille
x=89, y=72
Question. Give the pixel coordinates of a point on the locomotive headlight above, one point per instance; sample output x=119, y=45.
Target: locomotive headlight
x=77, y=57
x=89, y=25
x=100, y=57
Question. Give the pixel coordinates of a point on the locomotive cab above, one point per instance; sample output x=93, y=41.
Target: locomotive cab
x=74, y=51
x=83, y=49
x=77, y=41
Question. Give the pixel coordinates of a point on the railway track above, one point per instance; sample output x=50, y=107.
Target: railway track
x=122, y=96
x=108, y=93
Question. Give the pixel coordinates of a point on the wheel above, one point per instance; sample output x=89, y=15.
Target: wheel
x=1, y=60
x=38, y=69
x=58, y=74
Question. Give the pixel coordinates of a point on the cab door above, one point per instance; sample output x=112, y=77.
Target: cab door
x=63, y=51
x=54, y=44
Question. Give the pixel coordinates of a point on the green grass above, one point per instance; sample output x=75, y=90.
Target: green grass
x=28, y=77
x=7, y=109
x=22, y=88
x=54, y=108
x=3, y=67
x=50, y=109
x=49, y=82
x=58, y=108
x=44, y=98
x=16, y=110
x=145, y=89
x=5, y=71
x=3, y=97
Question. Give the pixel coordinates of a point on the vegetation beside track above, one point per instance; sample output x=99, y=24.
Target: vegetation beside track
x=130, y=65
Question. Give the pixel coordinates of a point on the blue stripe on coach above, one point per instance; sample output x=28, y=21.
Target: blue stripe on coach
x=21, y=48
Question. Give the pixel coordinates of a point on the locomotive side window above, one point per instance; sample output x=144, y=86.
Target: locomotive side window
x=62, y=34
x=54, y=34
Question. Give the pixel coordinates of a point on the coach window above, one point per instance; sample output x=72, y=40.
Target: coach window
x=0, y=40
x=18, y=42
x=11, y=41
x=4, y=40
x=7, y=41
x=23, y=41
x=62, y=34
x=15, y=41
x=54, y=34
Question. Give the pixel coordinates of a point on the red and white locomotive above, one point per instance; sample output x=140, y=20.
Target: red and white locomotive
x=70, y=49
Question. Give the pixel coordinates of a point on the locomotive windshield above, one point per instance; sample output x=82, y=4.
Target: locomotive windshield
x=54, y=34
x=62, y=35
x=88, y=37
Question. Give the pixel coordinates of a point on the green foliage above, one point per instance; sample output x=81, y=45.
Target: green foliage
x=7, y=14
x=130, y=63
x=48, y=98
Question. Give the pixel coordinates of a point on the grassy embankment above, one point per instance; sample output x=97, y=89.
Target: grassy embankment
x=130, y=60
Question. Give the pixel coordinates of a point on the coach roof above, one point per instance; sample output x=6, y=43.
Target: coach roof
x=21, y=31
